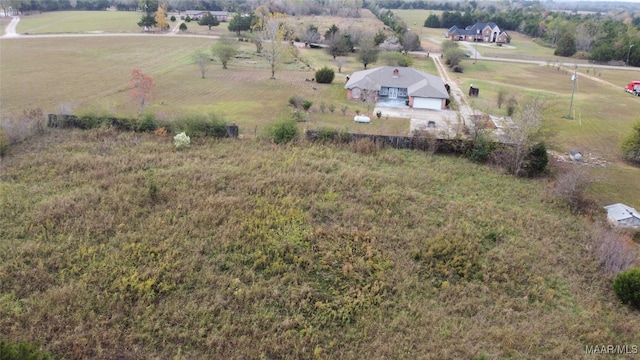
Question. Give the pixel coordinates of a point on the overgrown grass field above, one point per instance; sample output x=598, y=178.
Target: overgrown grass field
x=117, y=245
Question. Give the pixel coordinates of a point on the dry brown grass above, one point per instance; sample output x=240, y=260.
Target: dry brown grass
x=252, y=250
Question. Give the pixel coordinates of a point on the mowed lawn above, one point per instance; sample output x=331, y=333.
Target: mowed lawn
x=92, y=74
x=79, y=21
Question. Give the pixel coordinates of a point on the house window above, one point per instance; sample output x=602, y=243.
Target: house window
x=355, y=93
x=402, y=92
x=384, y=91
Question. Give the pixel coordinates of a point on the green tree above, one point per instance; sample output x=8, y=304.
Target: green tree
x=183, y=27
x=147, y=21
x=224, y=50
x=339, y=45
x=209, y=20
x=379, y=38
x=432, y=21
x=566, y=45
x=631, y=144
x=368, y=53
x=240, y=22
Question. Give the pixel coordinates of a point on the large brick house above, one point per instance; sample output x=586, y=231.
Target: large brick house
x=482, y=32
x=402, y=85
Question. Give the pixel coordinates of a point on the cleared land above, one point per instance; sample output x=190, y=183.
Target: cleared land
x=117, y=245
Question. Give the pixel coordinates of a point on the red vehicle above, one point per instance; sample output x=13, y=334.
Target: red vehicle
x=633, y=88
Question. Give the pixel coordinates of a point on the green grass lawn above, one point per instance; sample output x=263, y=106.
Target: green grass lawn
x=79, y=21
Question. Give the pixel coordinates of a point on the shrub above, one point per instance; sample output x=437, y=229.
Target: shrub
x=181, y=140
x=379, y=114
x=365, y=146
x=344, y=110
x=323, y=107
x=21, y=351
x=631, y=144
x=306, y=105
x=627, y=287
x=300, y=116
x=295, y=101
x=612, y=250
x=147, y=123
x=203, y=126
x=537, y=160
x=325, y=75
x=571, y=187
x=282, y=131
x=173, y=18
x=482, y=149
x=4, y=143
x=183, y=27
x=327, y=134
x=332, y=108
x=91, y=121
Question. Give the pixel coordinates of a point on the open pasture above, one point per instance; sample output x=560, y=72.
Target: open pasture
x=92, y=74
x=79, y=22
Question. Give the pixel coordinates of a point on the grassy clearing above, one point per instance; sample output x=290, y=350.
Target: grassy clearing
x=79, y=21
x=116, y=244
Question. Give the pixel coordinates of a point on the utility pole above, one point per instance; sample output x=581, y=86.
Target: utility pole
x=574, y=78
x=628, y=53
x=475, y=39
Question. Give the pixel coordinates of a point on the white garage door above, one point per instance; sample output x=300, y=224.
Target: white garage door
x=427, y=103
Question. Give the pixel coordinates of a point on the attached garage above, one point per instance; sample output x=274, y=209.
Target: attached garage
x=427, y=103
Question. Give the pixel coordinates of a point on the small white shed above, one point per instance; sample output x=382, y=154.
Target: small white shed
x=621, y=215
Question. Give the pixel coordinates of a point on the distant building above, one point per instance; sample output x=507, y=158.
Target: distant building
x=222, y=16
x=403, y=85
x=481, y=32
x=621, y=215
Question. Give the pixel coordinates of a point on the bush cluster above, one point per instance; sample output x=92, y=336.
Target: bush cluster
x=283, y=130
x=22, y=351
x=627, y=287
x=199, y=125
x=325, y=75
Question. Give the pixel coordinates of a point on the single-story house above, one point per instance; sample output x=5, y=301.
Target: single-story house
x=222, y=16
x=621, y=215
x=484, y=32
x=401, y=84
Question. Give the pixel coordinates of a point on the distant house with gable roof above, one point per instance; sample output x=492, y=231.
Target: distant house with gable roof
x=482, y=32
x=222, y=16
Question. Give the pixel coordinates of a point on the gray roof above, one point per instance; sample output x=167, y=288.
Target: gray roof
x=474, y=29
x=417, y=83
x=620, y=212
x=215, y=13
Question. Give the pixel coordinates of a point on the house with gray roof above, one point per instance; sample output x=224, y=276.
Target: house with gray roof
x=621, y=215
x=403, y=85
x=222, y=16
x=484, y=32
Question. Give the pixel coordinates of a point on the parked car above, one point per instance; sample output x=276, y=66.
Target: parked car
x=362, y=119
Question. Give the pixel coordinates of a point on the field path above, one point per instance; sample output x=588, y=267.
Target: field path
x=10, y=30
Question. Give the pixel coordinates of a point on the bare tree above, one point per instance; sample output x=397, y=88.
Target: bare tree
x=410, y=41
x=391, y=43
x=202, y=59
x=502, y=94
x=339, y=62
x=571, y=186
x=587, y=33
x=613, y=252
x=522, y=134
x=272, y=36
